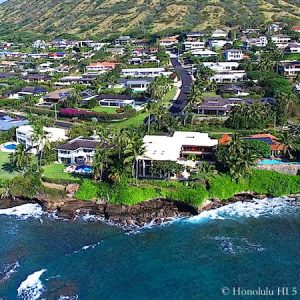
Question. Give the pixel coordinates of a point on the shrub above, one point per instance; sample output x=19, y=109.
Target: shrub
x=88, y=191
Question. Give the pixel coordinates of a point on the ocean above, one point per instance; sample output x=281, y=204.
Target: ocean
x=243, y=250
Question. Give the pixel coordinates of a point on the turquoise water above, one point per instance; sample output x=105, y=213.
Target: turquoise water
x=276, y=162
x=85, y=169
x=247, y=245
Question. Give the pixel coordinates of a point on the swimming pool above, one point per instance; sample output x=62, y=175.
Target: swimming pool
x=10, y=146
x=276, y=162
x=84, y=169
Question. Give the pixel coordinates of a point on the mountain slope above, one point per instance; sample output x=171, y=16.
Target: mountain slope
x=90, y=17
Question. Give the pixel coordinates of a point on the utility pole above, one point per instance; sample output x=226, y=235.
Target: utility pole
x=55, y=112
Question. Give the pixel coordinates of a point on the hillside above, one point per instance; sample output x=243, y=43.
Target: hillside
x=98, y=17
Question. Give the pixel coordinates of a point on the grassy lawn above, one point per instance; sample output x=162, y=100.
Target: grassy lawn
x=134, y=121
x=170, y=95
x=292, y=56
x=109, y=110
x=7, y=171
x=210, y=94
x=55, y=171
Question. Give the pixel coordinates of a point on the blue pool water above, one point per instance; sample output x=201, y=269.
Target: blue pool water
x=10, y=147
x=242, y=245
x=84, y=169
x=275, y=162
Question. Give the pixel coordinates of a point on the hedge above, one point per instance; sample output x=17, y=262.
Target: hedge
x=85, y=114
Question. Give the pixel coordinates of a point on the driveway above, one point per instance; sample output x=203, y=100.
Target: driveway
x=186, y=79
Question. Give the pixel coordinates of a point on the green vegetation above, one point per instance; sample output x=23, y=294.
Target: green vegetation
x=55, y=173
x=135, y=121
x=258, y=181
x=110, y=110
x=7, y=169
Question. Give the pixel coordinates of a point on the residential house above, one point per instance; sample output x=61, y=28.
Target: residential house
x=32, y=91
x=78, y=151
x=123, y=41
x=296, y=29
x=222, y=66
x=101, y=66
x=168, y=41
x=293, y=48
x=116, y=51
x=275, y=27
x=7, y=65
x=136, y=84
x=39, y=44
x=289, y=68
x=37, y=55
x=117, y=101
x=57, y=55
x=223, y=106
x=58, y=95
x=204, y=53
x=219, y=34
x=234, y=54
x=45, y=67
x=7, y=122
x=213, y=43
x=194, y=36
x=143, y=72
x=260, y=41
x=229, y=76
x=25, y=134
x=281, y=40
x=192, y=45
x=276, y=148
x=176, y=148
x=37, y=78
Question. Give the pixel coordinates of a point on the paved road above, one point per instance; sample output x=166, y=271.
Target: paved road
x=186, y=79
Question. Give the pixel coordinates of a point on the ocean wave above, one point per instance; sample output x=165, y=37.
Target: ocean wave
x=257, y=208
x=68, y=297
x=31, y=288
x=25, y=211
x=8, y=271
x=88, y=247
x=233, y=246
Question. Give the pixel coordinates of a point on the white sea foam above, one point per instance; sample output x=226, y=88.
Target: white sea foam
x=68, y=297
x=8, y=271
x=31, y=288
x=25, y=211
x=88, y=247
x=257, y=208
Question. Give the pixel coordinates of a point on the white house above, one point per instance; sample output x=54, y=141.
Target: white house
x=219, y=33
x=293, y=48
x=280, y=40
x=222, y=66
x=115, y=100
x=229, y=77
x=46, y=67
x=77, y=151
x=144, y=72
x=24, y=136
x=176, y=148
x=39, y=44
x=204, y=53
x=261, y=41
x=192, y=45
x=233, y=54
x=290, y=68
x=218, y=43
x=136, y=84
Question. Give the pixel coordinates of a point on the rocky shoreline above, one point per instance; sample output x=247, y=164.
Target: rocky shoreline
x=156, y=211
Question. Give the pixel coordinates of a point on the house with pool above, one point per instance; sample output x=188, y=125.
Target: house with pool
x=183, y=148
x=24, y=136
x=79, y=151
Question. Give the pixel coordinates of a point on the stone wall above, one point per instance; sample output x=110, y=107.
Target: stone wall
x=291, y=169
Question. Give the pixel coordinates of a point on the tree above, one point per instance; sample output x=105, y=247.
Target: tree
x=288, y=141
x=21, y=158
x=100, y=162
x=133, y=150
x=258, y=148
x=235, y=158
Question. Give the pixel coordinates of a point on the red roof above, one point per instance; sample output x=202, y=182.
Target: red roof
x=296, y=28
x=224, y=139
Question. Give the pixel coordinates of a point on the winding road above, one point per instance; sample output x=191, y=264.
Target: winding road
x=186, y=79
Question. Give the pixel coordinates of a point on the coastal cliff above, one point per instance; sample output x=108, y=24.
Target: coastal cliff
x=156, y=211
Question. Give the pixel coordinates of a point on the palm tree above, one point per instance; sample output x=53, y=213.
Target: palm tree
x=119, y=139
x=288, y=141
x=100, y=162
x=21, y=158
x=134, y=149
